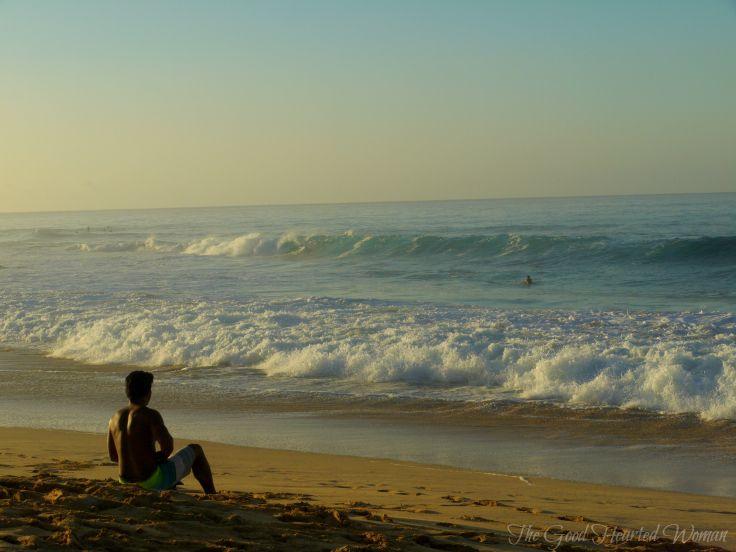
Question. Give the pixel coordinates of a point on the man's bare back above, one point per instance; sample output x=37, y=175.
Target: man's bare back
x=137, y=439
x=133, y=434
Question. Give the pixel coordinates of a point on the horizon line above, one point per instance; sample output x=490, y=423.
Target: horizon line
x=374, y=202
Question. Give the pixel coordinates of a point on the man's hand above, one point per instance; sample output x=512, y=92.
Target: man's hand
x=161, y=457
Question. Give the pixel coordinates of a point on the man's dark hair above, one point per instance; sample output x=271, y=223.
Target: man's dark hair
x=138, y=385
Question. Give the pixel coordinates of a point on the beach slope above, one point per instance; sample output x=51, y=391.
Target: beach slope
x=57, y=491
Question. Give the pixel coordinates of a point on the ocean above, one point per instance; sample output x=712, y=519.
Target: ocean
x=632, y=304
x=385, y=304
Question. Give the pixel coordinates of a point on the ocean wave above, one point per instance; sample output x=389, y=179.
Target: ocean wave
x=685, y=249
x=671, y=362
x=149, y=244
x=241, y=246
x=501, y=247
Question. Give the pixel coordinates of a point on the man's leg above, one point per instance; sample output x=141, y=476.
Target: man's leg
x=201, y=470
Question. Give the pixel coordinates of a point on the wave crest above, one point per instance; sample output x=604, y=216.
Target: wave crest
x=149, y=244
x=675, y=362
x=501, y=247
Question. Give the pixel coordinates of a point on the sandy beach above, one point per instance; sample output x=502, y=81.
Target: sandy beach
x=454, y=276
x=56, y=491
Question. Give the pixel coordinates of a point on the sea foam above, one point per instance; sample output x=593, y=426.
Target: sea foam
x=149, y=244
x=670, y=362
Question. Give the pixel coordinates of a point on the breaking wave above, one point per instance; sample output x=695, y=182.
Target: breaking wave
x=149, y=244
x=718, y=249
x=670, y=362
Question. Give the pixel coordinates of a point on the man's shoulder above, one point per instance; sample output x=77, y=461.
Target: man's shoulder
x=142, y=412
x=118, y=414
x=149, y=414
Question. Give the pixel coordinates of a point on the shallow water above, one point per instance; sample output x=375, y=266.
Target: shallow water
x=618, y=447
x=676, y=468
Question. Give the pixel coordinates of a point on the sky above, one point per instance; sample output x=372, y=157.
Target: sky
x=179, y=103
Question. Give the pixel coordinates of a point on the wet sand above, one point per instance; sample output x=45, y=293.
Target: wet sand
x=55, y=491
x=600, y=445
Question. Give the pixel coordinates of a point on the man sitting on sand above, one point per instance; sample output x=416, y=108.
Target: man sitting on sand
x=131, y=442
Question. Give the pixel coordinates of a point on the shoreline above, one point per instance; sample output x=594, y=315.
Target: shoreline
x=652, y=467
x=409, y=494
x=607, y=446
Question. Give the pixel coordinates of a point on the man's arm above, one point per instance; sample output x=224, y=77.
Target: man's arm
x=111, y=448
x=161, y=435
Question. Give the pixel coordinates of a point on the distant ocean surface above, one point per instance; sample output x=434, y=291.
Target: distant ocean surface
x=633, y=302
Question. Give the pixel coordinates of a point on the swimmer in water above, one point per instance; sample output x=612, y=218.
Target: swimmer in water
x=528, y=280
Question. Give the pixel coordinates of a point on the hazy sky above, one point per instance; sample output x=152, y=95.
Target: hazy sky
x=178, y=103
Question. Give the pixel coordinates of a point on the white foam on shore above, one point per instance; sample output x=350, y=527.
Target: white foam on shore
x=666, y=362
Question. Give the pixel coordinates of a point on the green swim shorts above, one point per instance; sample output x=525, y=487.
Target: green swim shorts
x=169, y=473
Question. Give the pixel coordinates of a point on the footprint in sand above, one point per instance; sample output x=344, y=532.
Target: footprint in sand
x=455, y=499
x=576, y=519
x=467, y=517
x=528, y=510
x=361, y=504
x=488, y=502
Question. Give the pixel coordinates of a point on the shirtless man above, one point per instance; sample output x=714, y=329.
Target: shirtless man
x=133, y=433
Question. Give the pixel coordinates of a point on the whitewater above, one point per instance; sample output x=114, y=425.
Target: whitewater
x=633, y=302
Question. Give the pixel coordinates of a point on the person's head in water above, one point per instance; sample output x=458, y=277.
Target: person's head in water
x=138, y=387
x=528, y=280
